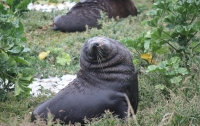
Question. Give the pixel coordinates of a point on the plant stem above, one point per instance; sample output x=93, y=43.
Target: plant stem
x=193, y=18
x=188, y=41
x=170, y=45
x=196, y=46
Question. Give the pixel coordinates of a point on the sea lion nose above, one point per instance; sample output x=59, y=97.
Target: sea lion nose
x=93, y=48
x=95, y=45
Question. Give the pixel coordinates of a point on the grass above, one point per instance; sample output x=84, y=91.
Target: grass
x=181, y=108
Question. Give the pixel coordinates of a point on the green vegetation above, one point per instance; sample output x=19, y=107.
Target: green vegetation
x=167, y=36
x=18, y=6
x=174, y=37
x=14, y=68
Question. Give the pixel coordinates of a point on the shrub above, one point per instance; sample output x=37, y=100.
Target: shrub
x=15, y=73
x=18, y=6
x=173, y=40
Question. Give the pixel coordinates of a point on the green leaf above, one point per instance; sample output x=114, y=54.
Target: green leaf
x=64, y=59
x=153, y=22
x=6, y=44
x=19, y=31
x=16, y=49
x=15, y=22
x=136, y=61
x=160, y=86
x=171, y=19
x=25, y=50
x=55, y=51
x=9, y=2
x=4, y=57
x=11, y=62
x=162, y=65
x=164, y=5
x=21, y=60
x=174, y=60
x=196, y=47
x=165, y=35
x=163, y=50
x=146, y=45
x=176, y=80
x=157, y=34
x=152, y=68
x=22, y=82
x=182, y=71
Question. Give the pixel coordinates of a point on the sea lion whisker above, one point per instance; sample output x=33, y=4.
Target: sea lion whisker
x=99, y=62
x=100, y=53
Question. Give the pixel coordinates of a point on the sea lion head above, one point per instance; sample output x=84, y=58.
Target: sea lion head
x=55, y=22
x=98, y=48
x=101, y=52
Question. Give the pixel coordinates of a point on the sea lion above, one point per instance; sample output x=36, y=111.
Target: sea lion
x=87, y=12
x=106, y=75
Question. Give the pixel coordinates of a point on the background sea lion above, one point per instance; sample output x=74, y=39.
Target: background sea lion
x=106, y=75
x=87, y=12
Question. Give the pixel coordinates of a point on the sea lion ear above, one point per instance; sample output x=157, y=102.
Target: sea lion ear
x=55, y=27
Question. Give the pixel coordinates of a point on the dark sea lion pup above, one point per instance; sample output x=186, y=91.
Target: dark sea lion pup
x=87, y=12
x=107, y=74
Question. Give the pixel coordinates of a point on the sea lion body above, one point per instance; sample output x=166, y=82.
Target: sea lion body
x=87, y=12
x=106, y=76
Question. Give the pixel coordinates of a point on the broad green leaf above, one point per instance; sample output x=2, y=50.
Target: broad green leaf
x=157, y=34
x=136, y=61
x=128, y=42
x=22, y=82
x=163, y=50
x=153, y=22
x=15, y=22
x=182, y=71
x=162, y=65
x=160, y=86
x=143, y=23
x=21, y=60
x=55, y=51
x=25, y=50
x=196, y=47
x=6, y=44
x=191, y=9
x=175, y=65
x=152, y=68
x=197, y=24
x=164, y=5
x=3, y=10
x=19, y=31
x=4, y=57
x=176, y=80
x=146, y=45
x=174, y=60
x=64, y=59
x=165, y=35
x=9, y=2
x=171, y=19
x=11, y=62
x=16, y=49
x=171, y=73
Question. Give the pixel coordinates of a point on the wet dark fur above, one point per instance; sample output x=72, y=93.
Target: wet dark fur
x=107, y=74
x=88, y=12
